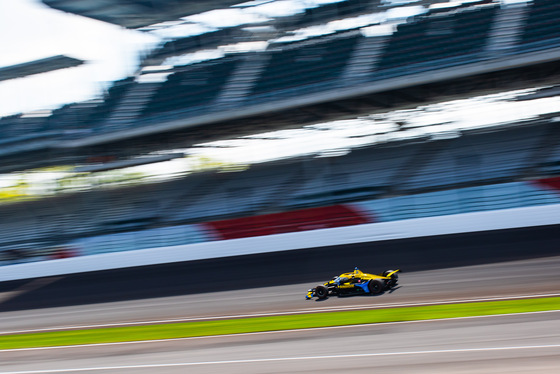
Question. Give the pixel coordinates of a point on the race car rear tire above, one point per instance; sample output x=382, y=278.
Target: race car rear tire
x=376, y=286
x=321, y=292
x=394, y=276
x=392, y=282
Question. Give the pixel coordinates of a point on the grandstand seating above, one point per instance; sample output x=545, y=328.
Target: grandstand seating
x=324, y=13
x=301, y=65
x=179, y=46
x=360, y=175
x=133, y=240
x=487, y=156
x=285, y=222
x=474, y=172
x=454, y=201
x=76, y=116
x=227, y=194
x=87, y=117
x=444, y=37
x=16, y=128
x=551, y=165
x=449, y=37
x=461, y=200
x=190, y=87
x=542, y=26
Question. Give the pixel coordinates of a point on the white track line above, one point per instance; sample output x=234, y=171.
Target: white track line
x=275, y=332
x=268, y=314
x=260, y=360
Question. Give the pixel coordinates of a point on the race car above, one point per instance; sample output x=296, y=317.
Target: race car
x=355, y=283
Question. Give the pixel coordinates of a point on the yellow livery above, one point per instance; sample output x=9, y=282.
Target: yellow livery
x=355, y=283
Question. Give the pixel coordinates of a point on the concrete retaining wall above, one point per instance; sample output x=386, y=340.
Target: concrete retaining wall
x=342, y=236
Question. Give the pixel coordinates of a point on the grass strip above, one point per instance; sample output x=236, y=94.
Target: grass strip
x=272, y=323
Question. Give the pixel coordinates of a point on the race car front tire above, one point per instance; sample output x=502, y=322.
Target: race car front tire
x=321, y=292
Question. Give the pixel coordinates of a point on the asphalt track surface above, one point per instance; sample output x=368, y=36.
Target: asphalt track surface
x=305, y=266
x=539, y=276
x=508, y=264
x=502, y=344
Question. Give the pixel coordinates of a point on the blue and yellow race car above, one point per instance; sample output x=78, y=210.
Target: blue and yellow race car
x=355, y=283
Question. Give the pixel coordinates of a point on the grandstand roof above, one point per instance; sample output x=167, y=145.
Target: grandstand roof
x=38, y=66
x=137, y=13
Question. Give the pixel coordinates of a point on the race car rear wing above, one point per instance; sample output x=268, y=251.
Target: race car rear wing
x=393, y=272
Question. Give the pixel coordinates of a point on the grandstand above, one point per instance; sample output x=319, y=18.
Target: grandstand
x=291, y=78
x=371, y=64
x=497, y=168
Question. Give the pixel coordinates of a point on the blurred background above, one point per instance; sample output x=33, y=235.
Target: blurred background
x=130, y=124
x=166, y=161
